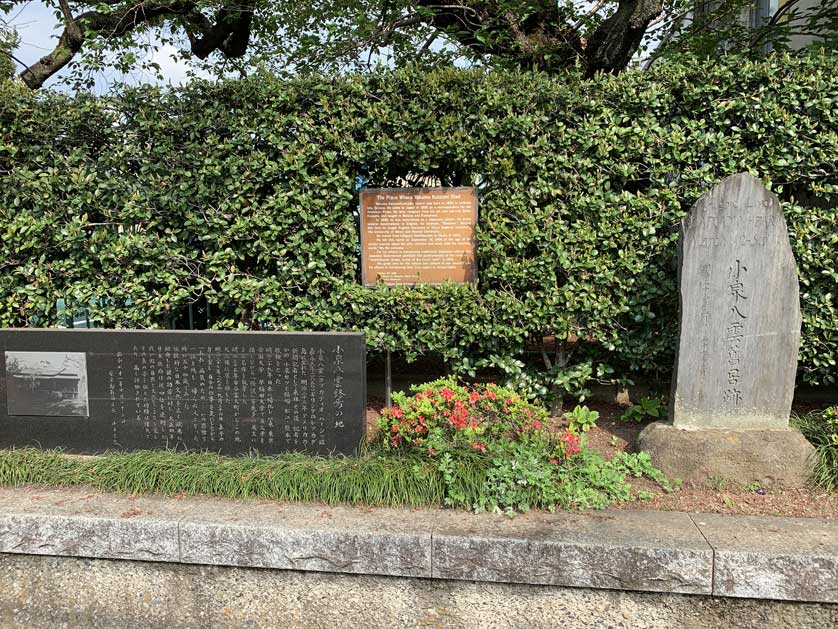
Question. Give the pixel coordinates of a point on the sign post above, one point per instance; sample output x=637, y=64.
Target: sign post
x=388, y=380
x=415, y=236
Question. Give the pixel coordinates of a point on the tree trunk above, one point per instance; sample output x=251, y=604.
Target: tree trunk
x=560, y=361
x=612, y=45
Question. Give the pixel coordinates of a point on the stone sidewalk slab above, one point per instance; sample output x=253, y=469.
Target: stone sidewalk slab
x=721, y=555
x=391, y=542
x=83, y=524
x=629, y=550
x=790, y=559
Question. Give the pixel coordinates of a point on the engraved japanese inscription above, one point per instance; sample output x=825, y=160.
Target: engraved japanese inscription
x=418, y=235
x=740, y=311
x=228, y=392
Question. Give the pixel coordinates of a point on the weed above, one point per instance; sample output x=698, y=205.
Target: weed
x=582, y=419
x=647, y=408
x=717, y=483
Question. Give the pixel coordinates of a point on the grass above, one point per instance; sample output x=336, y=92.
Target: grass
x=504, y=459
x=369, y=479
x=469, y=481
x=821, y=433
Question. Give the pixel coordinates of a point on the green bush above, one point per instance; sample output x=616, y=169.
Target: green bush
x=821, y=429
x=526, y=461
x=242, y=194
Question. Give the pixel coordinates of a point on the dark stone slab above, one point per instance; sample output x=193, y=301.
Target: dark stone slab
x=230, y=392
x=740, y=311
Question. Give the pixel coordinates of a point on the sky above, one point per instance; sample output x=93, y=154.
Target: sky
x=39, y=29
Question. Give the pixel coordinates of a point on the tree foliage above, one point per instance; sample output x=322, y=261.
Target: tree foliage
x=237, y=36
x=8, y=41
x=241, y=194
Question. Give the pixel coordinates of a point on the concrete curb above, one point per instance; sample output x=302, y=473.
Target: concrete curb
x=791, y=559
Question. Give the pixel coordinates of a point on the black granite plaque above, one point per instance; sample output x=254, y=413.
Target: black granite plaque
x=89, y=391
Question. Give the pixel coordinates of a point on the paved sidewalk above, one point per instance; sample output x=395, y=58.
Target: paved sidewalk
x=792, y=559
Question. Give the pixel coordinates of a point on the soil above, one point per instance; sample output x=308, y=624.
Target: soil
x=612, y=435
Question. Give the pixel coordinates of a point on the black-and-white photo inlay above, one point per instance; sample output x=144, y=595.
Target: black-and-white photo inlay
x=52, y=384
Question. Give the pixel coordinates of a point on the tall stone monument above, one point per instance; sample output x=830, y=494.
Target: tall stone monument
x=739, y=337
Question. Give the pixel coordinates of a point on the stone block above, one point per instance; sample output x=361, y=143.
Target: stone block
x=740, y=311
x=770, y=457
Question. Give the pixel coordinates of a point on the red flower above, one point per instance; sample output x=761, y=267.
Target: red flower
x=396, y=412
x=554, y=461
x=491, y=395
x=394, y=428
x=459, y=417
x=572, y=443
x=474, y=397
x=478, y=446
x=536, y=423
x=448, y=394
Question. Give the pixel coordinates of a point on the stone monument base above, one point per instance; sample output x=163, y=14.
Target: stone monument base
x=770, y=457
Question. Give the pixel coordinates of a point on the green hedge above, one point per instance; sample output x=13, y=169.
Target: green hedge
x=242, y=193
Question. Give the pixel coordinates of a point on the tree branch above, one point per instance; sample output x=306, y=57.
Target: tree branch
x=542, y=37
x=12, y=57
x=229, y=33
x=589, y=14
x=69, y=43
x=545, y=36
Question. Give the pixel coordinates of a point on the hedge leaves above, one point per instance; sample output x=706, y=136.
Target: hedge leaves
x=242, y=194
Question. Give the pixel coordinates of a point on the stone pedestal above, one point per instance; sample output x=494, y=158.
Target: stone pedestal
x=769, y=457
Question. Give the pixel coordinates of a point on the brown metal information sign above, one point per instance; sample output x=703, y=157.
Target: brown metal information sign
x=418, y=235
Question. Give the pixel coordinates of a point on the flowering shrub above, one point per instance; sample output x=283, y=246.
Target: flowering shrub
x=515, y=452
x=444, y=416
